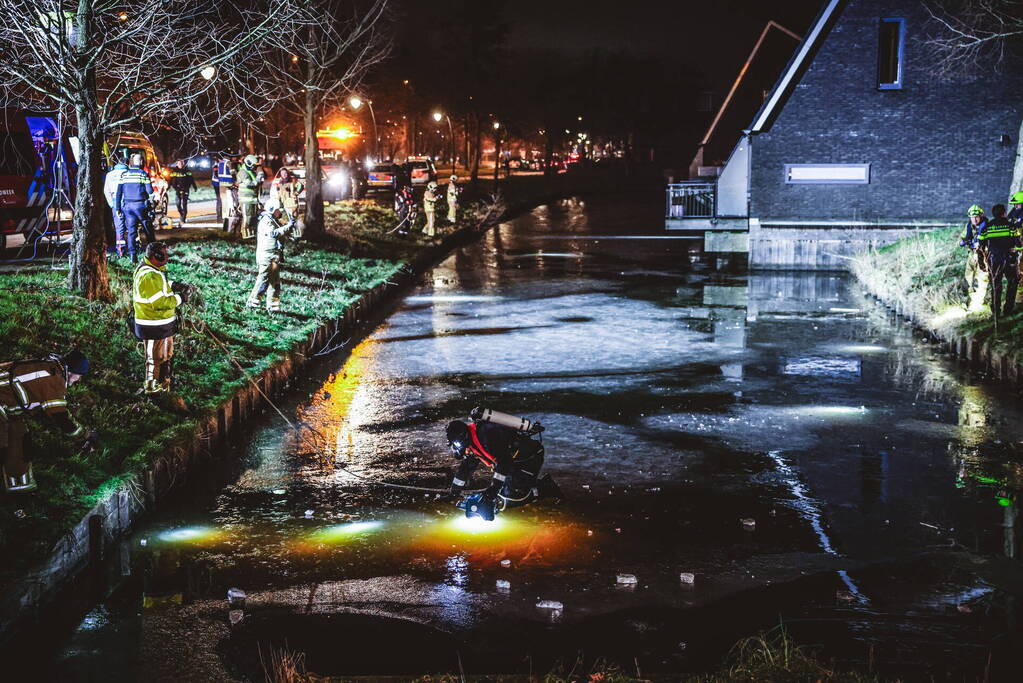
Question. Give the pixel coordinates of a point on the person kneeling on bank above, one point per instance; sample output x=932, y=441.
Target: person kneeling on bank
x=156, y=300
x=505, y=444
x=273, y=231
x=30, y=389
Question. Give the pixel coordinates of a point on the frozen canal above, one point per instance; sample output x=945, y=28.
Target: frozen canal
x=680, y=398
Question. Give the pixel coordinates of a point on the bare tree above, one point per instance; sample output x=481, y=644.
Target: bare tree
x=341, y=41
x=968, y=38
x=114, y=63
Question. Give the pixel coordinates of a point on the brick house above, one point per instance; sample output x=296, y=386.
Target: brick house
x=861, y=141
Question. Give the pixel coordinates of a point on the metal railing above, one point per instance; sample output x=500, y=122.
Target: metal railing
x=694, y=199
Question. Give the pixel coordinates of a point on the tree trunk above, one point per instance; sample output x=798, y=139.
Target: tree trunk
x=314, y=227
x=476, y=153
x=1017, y=167
x=88, y=259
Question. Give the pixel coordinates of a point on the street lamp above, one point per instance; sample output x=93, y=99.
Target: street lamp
x=497, y=153
x=356, y=103
x=437, y=116
x=208, y=72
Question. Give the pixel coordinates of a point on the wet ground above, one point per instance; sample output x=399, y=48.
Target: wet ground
x=681, y=396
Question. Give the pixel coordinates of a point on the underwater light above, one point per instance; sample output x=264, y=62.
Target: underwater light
x=825, y=411
x=188, y=533
x=476, y=525
x=951, y=314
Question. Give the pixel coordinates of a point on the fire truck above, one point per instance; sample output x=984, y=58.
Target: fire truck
x=37, y=172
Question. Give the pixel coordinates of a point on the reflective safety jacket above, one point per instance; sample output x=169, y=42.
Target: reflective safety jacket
x=36, y=387
x=1016, y=216
x=453, y=191
x=225, y=174
x=134, y=186
x=999, y=237
x=111, y=181
x=182, y=180
x=155, y=303
x=249, y=180
x=271, y=236
x=515, y=458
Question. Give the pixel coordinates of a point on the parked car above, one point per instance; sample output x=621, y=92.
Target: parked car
x=381, y=177
x=334, y=182
x=423, y=170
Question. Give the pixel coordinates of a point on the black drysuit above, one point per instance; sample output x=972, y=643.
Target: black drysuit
x=515, y=458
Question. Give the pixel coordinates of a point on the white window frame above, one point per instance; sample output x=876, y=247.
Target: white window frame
x=836, y=179
x=897, y=84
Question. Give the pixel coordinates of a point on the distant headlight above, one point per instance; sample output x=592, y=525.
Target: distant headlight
x=336, y=179
x=191, y=163
x=204, y=163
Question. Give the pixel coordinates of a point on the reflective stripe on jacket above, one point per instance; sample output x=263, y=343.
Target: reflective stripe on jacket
x=154, y=301
x=134, y=185
x=248, y=184
x=225, y=174
x=34, y=386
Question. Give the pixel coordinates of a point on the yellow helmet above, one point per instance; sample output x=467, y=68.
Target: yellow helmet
x=975, y=210
x=1016, y=198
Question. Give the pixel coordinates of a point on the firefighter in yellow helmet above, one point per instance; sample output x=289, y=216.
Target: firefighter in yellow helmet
x=430, y=199
x=156, y=299
x=273, y=231
x=36, y=388
x=976, y=267
x=453, y=191
x=1016, y=214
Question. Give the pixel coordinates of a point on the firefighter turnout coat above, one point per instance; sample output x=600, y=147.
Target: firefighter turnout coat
x=34, y=388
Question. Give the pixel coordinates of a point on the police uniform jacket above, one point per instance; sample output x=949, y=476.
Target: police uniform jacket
x=133, y=187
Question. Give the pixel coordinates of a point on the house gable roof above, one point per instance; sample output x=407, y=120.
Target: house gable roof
x=800, y=61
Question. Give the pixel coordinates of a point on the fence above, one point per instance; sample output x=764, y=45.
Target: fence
x=691, y=200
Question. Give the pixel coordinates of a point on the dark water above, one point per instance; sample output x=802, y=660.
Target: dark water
x=681, y=396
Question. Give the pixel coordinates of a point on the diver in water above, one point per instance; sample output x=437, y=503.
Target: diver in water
x=505, y=444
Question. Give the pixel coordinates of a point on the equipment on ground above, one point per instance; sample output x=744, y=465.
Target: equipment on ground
x=517, y=423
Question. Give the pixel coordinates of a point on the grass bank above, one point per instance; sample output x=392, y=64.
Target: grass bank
x=38, y=316
x=923, y=276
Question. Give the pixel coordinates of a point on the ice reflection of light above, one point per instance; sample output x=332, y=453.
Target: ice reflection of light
x=809, y=509
x=843, y=310
x=444, y=298
x=831, y=411
x=863, y=348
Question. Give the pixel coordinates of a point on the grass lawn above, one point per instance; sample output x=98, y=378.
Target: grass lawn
x=39, y=316
x=924, y=274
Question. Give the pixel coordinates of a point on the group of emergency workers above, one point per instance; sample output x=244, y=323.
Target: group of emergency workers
x=405, y=206
x=994, y=245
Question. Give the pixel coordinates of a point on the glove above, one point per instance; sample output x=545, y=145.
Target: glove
x=91, y=442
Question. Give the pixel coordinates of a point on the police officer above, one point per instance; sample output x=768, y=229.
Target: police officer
x=250, y=180
x=273, y=230
x=134, y=188
x=183, y=183
x=453, y=191
x=110, y=183
x=228, y=192
x=36, y=388
x=155, y=299
x=976, y=267
x=430, y=198
x=515, y=458
x=999, y=240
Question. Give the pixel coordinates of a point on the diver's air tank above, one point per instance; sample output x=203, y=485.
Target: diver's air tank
x=519, y=423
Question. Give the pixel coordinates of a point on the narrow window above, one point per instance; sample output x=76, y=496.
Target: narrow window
x=889, y=57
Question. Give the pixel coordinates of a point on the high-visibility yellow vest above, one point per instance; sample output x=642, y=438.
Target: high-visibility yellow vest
x=154, y=301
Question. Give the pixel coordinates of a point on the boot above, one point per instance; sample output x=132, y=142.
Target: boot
x=152, y=387
x=19, y=483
